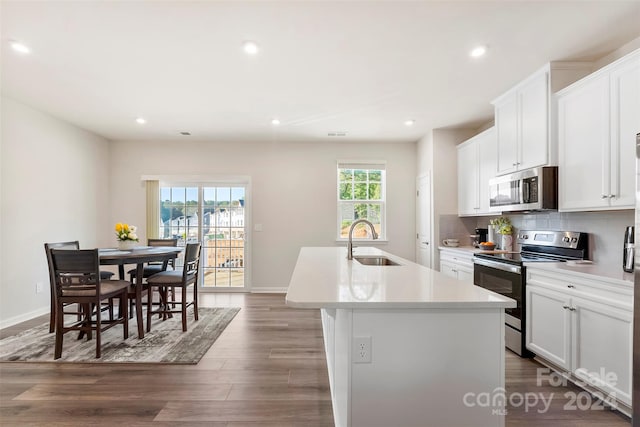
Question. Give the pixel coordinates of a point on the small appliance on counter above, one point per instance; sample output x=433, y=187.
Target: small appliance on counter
x=628, y=253
x=479, y=237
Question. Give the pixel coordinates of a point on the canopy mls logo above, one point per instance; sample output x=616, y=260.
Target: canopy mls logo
x=498, y=400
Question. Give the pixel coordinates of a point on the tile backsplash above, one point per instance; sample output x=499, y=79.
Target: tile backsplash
x=606, y=229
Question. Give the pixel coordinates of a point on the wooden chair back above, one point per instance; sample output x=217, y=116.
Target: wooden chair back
x=163, y=242
x=191, y=262
x=52, y=277
x=77, y=272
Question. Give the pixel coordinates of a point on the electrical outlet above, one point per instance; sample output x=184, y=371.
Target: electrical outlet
x=39, y=288
x=362, y=349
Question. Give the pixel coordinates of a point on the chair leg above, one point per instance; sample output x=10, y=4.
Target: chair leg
x=52, y=316
x=195, y=301
x=111, y=309
x=149, y=306
x=173, y=297
x=98, y=330
x=59, y=332
x=124, y=315
x=184, y=309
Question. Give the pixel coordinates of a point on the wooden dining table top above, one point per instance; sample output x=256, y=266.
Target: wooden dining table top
x=111, y=256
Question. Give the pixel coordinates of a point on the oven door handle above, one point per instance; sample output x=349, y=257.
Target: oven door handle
x=498, y=266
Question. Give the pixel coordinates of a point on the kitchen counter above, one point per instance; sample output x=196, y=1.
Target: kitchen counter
x=592, y=271
x=325, y=278
x=595, y=271
x=398, y=340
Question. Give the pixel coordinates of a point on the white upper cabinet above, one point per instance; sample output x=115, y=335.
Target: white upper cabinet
x=476, y=165
x=524, y=121
x=598, y=118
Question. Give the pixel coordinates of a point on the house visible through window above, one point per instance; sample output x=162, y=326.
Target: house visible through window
x=361, y=195
x=214, y=216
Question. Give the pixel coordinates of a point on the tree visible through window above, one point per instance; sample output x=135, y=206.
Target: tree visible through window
x=361, y=195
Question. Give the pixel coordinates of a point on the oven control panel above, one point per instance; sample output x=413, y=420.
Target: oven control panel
x=559, y=239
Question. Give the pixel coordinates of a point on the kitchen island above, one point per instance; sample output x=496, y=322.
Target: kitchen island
x=405, y=345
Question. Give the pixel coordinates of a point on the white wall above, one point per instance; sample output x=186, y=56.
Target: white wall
x=293, y=191
x=436, y=152
x=54, y=187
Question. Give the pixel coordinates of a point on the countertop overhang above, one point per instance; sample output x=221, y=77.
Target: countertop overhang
x=324, y=278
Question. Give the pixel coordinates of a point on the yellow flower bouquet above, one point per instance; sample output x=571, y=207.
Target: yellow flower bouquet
x=126, y=232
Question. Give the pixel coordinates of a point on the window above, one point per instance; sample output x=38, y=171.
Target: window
x=361, y=195
x=214, y=216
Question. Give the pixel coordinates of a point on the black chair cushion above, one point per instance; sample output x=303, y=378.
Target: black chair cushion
x=105, y=275
x=149, y=270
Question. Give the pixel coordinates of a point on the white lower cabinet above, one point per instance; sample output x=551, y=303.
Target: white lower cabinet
x=602, y=338
x=582, y=327
x=457, y=264
x=549, y=325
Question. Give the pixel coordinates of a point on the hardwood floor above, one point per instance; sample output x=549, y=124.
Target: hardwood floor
x=267, y=369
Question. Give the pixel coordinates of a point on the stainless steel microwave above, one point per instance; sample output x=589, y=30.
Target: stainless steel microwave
x=528, y=190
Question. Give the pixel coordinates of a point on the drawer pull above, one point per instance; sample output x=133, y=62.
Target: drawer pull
x=571, y=286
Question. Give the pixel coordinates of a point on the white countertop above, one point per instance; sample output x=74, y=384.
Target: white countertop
x=325, y=278
x=606, y=273
x=466, y=250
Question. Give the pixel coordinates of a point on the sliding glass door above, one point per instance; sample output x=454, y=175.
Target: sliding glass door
x=215, y=216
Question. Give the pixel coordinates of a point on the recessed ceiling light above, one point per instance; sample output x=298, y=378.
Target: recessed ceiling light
x=409, y=122
x=141, y=120
x=275, y=122
x=251, y=48
x=19, y=47
x=478, y=51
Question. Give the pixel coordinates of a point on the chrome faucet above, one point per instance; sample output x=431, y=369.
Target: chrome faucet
x=350, y=244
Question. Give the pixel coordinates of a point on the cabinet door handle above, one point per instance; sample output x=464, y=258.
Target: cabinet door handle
x=571, y=286
x=514, y=164
x=605, y=196
x=425, y=243
x=612, y=196
x=566, y=307
x=572, y=309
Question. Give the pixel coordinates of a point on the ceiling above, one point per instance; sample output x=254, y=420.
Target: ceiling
x=360, y=67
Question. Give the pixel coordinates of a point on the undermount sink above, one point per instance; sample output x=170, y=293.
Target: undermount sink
x=374, y=260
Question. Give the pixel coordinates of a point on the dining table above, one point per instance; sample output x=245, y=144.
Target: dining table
x=138, y=256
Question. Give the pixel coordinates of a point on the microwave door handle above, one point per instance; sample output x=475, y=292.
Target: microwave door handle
x=518, y=192
x=526, y=191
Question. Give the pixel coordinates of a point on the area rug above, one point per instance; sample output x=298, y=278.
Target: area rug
x=166, y=343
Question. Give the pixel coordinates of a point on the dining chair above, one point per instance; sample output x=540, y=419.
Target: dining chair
x=172, y=279
x=154, y=267
x=52, y=280
x=77, y=279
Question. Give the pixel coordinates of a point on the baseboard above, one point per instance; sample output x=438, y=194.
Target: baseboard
x=23, y=317
x=269, y=290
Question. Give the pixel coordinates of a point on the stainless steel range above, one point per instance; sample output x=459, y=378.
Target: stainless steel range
x=505, y=273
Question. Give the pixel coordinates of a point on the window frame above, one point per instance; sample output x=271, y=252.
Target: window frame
x=201, y=181
x=368, y=165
